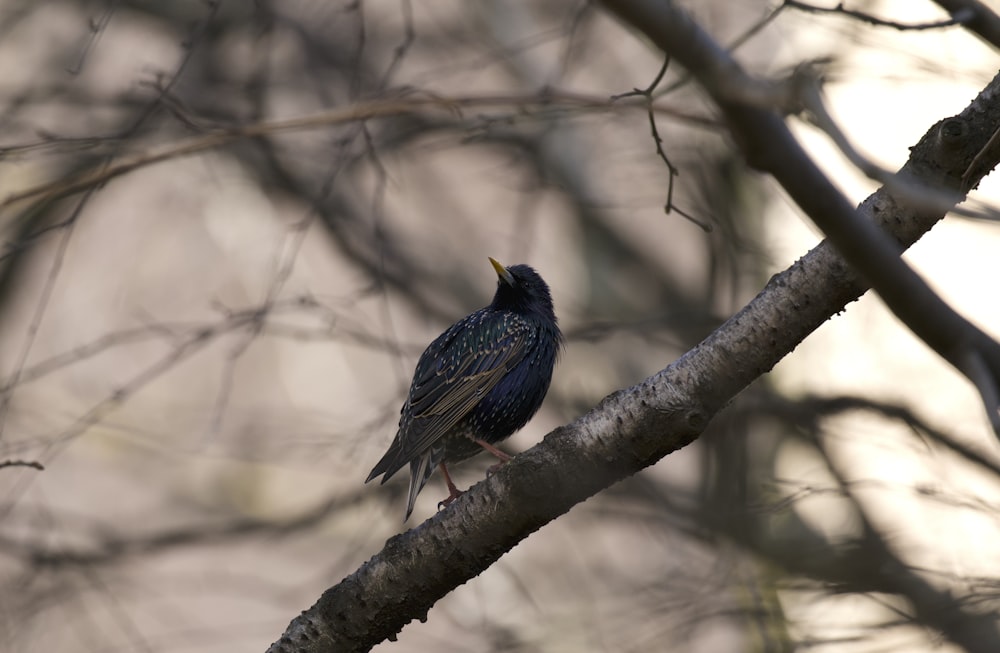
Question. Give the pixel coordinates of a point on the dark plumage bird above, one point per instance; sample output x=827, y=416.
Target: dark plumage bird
x=477, y=383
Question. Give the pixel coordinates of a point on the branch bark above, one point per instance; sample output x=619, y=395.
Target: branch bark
x=635, y=427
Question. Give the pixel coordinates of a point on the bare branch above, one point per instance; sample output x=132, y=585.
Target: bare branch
x=647, y=93
x=108, y=549
x=41, y=306
x=984, y=22
x=910, y=190
x=958, y=18
x=22, y=463
x=97, y=28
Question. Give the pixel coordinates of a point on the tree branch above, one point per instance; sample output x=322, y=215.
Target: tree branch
x=984, y=23
x=21, y=463
x=957, y=18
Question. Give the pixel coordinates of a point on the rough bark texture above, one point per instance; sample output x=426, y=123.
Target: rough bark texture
x=635, y=427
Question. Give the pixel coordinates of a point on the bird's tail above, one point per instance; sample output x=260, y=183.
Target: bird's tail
x=420, y=470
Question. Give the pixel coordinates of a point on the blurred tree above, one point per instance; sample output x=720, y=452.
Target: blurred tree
x=230, y=229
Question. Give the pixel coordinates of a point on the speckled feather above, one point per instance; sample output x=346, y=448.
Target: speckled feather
x=484, y=378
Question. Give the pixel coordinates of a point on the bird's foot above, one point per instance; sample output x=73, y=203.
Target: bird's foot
x=453, y=491
x=444, y=503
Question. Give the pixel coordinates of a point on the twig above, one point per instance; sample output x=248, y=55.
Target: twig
x=647, y=95
x=22, y=463
x=97, y=28
x=957, y=18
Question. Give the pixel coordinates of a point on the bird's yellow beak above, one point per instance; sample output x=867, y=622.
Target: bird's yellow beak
x=502, y=272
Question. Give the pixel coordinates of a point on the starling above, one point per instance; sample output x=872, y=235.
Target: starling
x=477, y=383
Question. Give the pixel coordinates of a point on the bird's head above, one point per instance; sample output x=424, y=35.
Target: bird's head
x=522, y=290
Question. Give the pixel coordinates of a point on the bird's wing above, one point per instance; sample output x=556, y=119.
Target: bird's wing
x=455, y=373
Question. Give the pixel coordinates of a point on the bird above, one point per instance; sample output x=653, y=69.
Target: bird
x=477, y=383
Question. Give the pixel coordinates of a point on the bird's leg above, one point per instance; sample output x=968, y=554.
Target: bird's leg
x=493, y=450
x=504, y=458
x=453, y=492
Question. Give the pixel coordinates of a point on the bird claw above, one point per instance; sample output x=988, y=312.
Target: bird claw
x=444, y=503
